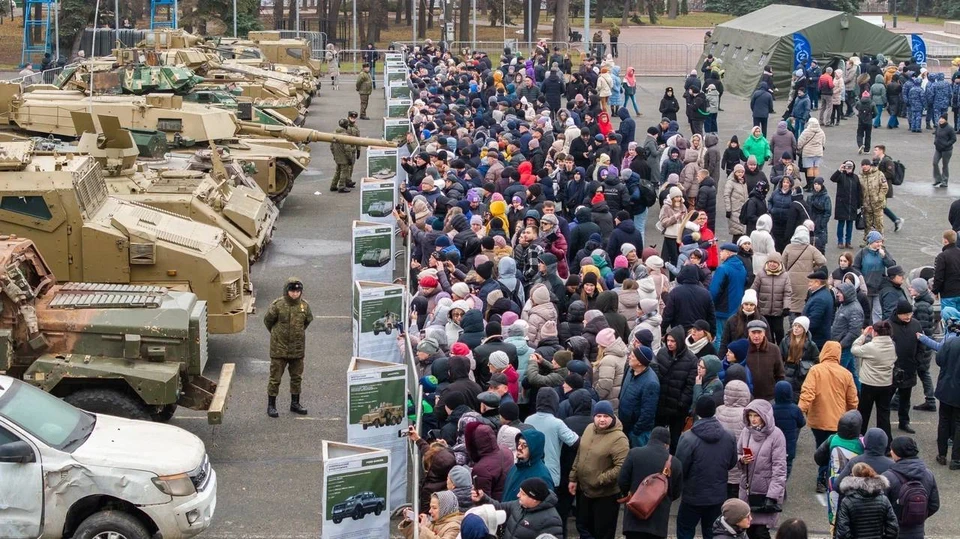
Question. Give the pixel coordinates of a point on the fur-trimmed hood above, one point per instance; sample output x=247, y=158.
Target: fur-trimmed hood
x=869, y=486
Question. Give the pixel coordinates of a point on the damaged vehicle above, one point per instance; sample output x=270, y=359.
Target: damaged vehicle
x=70, y=473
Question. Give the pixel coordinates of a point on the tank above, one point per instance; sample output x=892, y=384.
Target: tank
x=132, y=351
x=61, y=202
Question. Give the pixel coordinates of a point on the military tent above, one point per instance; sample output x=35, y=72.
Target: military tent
x=777, y=34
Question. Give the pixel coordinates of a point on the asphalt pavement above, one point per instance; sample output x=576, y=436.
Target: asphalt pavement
x=270, y=469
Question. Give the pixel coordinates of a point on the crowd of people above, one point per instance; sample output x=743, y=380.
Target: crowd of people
x=565, y=360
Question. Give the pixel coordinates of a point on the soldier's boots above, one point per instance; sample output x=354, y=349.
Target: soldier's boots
x=351, y=184
x=295, y=405
x=272, y=407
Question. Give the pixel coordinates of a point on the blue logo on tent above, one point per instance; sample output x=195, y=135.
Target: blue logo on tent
x=918, y=47
x=802, y=53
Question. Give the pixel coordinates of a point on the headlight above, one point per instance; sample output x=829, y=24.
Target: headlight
x=175, y=485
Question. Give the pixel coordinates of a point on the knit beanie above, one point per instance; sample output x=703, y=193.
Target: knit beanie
x=920, y=285
x=574, y=380
x=510, y=411
x=499, y=360
x=563, y=357
x=734, y=510
x=739, y=348
x=606, y=337
x=603, y=407
x=460, y=476
x=706, y=406
x=537, y=488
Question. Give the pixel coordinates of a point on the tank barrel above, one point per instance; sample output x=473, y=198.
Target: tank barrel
x=301, y=134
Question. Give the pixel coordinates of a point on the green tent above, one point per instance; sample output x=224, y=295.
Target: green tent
x=766, y=37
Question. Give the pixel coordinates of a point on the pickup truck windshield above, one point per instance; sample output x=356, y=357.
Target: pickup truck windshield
x=46, y=417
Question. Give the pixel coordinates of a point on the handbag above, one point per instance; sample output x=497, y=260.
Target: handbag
x=650, y=492
x=861, y=222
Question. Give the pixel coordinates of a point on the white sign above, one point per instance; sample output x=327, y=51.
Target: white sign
x=356, y=493
x=372, y=251
x=377, y=415
x=379, y=320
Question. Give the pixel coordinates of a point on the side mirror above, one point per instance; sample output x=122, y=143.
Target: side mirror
x=18, y=452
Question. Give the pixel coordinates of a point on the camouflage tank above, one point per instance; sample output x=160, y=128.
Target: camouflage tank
x=244, y=213
x=126, y=350
x=382, y=416
x=62, y=204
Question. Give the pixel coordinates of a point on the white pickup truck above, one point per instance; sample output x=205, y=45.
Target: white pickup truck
x=69, y=473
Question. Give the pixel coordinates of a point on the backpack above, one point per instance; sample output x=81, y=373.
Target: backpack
x=865, y=115
x=911, y=502
x=743, y=212
x=648, y=192
x=899, y=172
x=650, y=492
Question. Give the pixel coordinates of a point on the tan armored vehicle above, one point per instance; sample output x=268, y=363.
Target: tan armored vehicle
x=119, y=349
x=62, y=204
x=382, y=416
x=244, y=213
x=290, y=51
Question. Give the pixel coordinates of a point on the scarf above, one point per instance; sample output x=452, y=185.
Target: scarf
x=630, y=77
x=775, y=272
x=696, y=346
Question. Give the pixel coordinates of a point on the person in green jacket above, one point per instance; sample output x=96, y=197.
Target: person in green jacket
x=757, y=146
x=364, y=88
x=287, y=319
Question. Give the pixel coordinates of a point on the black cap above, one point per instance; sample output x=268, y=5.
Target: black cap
x=353, y=114
x=536, y=488
x=497, y=379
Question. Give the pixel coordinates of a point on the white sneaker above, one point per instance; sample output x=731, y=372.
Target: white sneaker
x=898, y=224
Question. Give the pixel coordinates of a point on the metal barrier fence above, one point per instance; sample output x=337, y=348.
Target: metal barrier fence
x=659, y=59
x=351, y=60
x=318, y=40
x=42, y=77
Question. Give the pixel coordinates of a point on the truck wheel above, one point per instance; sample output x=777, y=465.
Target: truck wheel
x=165, y=414
x=378, y=509
x=284, y=177
x=108, y=401
x=358, y=513
x=111, y=525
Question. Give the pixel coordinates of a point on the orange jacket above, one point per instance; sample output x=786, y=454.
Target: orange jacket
x=828, y=391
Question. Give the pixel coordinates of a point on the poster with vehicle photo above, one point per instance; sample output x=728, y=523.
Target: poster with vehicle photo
x=396, y=129
x=398, y=89
x=382, y=163
x=396, y=74
x=377, y=415
x=356, y=493
x=379, y=319
x=398, y=108
x=372, y=251
x=377, y=200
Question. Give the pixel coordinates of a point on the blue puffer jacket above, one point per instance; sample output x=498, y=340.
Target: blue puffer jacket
x=707, y=452
x=726, y=288
x=819, y=309
x=532, y=467
x=639, y=396
x=616, y=98
x=627, y=129
x=787, y=415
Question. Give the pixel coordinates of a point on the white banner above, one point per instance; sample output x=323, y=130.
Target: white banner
x=372, y=251
x=379, y=320
x=356, y=494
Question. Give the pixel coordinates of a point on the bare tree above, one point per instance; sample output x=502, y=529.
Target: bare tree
x=421, y=19
x=561, y=22
x=673, y=9
x=291, y=14
x=598, y=16
x=466, y=10
x=627, y=8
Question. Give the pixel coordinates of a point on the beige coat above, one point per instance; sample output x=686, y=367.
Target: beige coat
x=799, y=260
x=608, y=373
x=734, y=197
x=875, y=360
x=811, y=141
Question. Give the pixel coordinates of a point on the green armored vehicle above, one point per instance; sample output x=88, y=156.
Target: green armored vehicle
x=134, y=351
x=375, y=258
x=382, y=416
x=61, y=202
x=386, y=323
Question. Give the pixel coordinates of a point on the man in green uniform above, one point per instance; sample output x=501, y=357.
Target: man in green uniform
x=364, y=88
x=344, y=156
x=287, y=320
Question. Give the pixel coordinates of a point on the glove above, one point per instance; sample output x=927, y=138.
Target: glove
x=771, y=506
x=729, y=215
x=786, y=312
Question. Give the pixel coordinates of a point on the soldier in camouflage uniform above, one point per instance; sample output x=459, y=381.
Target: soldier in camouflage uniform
x=344, y=156
x=873, y=186
x=941, y=97
x=915, y=104
x=364, y=88
x=287, y=320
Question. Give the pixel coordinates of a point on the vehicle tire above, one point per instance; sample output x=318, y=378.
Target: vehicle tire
x=108, y=401
x=365, y=426
x=358, y=513
x=378, y=509
x=165, y=414
x=112, y=524
x=376, y=332
x=337, y=520
x=285, y=177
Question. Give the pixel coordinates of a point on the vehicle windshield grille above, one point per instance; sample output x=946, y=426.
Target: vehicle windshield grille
x=91, y=189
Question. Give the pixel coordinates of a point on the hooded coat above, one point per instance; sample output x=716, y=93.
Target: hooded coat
x=688, y=302
x=554, y=430
x=829, y=391
x=525, y=469
x=875, y=444
x=836, y=451
x=472, y=324
x=707, y=452
x=909, y=351
x=757, y=147
x=727, y=286
x=913, y=469
x=490, y=461
x=774, y=292
x=435, y=478
x=608, y=373
x=847, y=202
x=799, y=260
x=734, y=197
x=766, y=368
x=599, y=459
x=581, y=232
x=736, y=397
x=766, y=475
x=677, y=373
x=812, y=140
x=783, y=141
x=865, y=511
x=848, y=320
x=608, y=303
x=787, y=416
x=625, y=232
x=819, y=309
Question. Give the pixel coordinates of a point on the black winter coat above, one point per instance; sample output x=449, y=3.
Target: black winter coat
x=707, y=201
x=707, y=452
x=923, y=313
x=600, y=213
x=552, y=91
x=865, y=512
x=625, y=232
x=688, y=302
x=530, y=523
x=946, y=271
x=909, y=351
x=755, y=208
x=677, y=373
x=913, y=469
x=847, y=202
x=481, y=356
x=641, y=462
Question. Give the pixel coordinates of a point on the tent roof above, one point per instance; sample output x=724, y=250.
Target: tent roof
x=780, y=20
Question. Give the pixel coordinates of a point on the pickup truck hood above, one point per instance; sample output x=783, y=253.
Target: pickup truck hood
x=140, y=445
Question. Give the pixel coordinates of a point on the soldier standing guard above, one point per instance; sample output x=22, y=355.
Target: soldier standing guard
x=364, y=88
x=287, y=320
x=344, y=157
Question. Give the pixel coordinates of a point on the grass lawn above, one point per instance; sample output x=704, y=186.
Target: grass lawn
x=901, y=17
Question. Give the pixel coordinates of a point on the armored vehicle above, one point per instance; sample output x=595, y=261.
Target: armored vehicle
x=292, y=52
x=135, y=351
x=382, y=416
x=386, y=323
x=380, y=209
x=375, y=258
x=62, y=203
x=244, y=213
x=358, y=506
